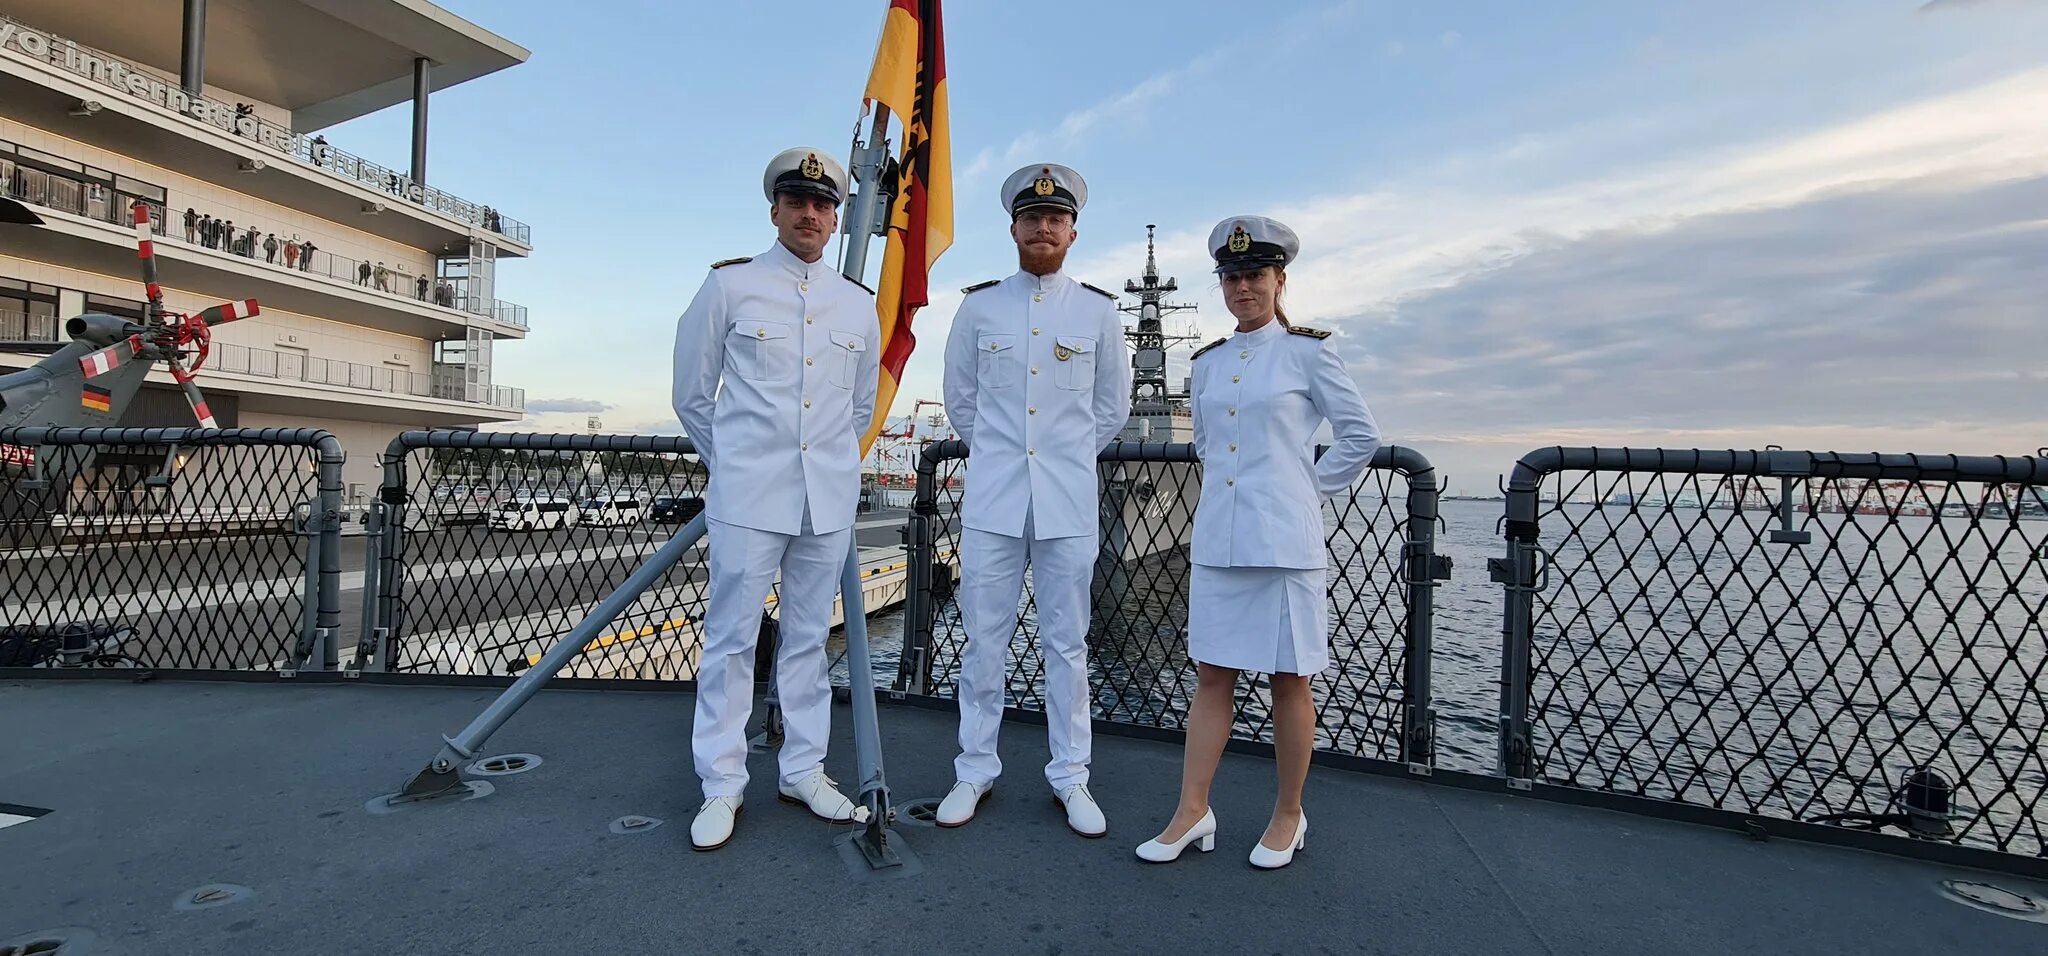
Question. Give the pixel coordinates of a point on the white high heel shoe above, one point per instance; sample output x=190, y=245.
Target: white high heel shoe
x=1202, y=834
x=1266, y=859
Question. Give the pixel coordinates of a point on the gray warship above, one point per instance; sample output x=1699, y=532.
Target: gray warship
x=1148, y=508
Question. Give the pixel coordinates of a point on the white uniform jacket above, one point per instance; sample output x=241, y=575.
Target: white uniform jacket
x=1038, y=380
x=1258, y=399
x=798, y=349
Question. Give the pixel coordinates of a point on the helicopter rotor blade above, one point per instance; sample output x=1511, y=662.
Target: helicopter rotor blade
x=192, y=394
x=229, y=312
x=96, y=364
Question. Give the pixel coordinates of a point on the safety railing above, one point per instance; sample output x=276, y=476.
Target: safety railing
x=297, y=367
x=484, y=552
x=170, y=547
x=1373, y=702
x=1849, y=639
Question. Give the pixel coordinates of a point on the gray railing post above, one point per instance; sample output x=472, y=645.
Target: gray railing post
x=1424, y=568
x=369, y=637
x=390, y=569
x=330, y=461
x=914, y=670
x=1517, y=574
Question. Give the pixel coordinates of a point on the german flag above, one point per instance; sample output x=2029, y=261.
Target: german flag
x=910, y=79
x=96, y=398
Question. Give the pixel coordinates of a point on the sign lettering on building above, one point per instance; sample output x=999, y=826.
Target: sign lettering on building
x=116, y=75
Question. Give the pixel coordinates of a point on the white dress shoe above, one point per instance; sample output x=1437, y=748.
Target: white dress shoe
x=1083, y=816
x=818, y=794
x=713, y=826
x=1202, y=835
x=1266, y=859
x=961, y=802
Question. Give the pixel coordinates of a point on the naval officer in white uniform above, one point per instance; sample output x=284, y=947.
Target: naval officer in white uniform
x=1257, y=599
x=796, y=349
x=1037, y=382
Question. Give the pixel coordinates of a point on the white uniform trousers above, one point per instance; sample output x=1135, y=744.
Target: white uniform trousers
x=743, y=566
x=991, y=585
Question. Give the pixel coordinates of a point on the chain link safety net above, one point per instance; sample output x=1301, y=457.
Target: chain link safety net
x=1139, y=671
x=162, y=554
x=498, y=552
x=1805, y=648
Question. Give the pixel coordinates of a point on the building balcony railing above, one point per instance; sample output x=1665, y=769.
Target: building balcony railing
x=313, y=151
x=22, y=327
x=295, y=367
x=447, y=386
x=99, y=202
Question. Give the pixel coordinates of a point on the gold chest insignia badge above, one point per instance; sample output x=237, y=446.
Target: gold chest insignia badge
x=1062, y=353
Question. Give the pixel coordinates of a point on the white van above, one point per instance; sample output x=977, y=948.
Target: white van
x=610, y=512
x=533, y=514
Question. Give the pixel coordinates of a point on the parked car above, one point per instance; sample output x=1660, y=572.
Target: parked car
x=675, y=510
x=610, y=512
x=533, y=514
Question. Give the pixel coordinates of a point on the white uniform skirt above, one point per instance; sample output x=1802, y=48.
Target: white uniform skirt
x=1270, y=620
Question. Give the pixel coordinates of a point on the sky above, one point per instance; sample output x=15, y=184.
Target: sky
x=1820, y=225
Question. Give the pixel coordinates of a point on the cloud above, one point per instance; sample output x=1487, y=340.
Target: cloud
x=1076, y=124
x=1393, y=48
x=1450, y=38
x=582, y=405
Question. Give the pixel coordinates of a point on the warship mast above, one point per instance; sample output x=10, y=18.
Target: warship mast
x=1150, y=340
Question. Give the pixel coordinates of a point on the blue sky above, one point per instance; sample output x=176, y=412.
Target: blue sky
x=1720, y=224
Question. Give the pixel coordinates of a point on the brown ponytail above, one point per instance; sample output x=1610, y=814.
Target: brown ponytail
x=1278, y=295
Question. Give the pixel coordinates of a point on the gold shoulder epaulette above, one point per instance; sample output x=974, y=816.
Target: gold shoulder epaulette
x=1205, y=348
x=977, y=287
x=1305, y=330
x=1105, y=292
x=722, y=263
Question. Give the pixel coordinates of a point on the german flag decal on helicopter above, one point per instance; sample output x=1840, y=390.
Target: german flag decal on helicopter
x=96, y=398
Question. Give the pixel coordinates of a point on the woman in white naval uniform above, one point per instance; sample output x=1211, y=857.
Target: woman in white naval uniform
x=1257, y=599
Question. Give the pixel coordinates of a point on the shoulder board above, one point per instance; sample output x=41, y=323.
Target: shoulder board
x=1305, y=330
x=1205, y=348
x=977, y=287
x=1093, y=289
x=722, y=263
x=857, y=282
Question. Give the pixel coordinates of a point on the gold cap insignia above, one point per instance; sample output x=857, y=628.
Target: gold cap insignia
x=1043, y=186
x=811, y=168
x=1240, y=240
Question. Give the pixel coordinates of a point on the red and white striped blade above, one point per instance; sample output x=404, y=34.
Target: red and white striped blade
x=96, y=364
x=229, y=312
x=192, y=395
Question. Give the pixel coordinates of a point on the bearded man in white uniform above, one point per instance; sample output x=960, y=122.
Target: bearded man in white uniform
x=776, y=363
x=1037, y=382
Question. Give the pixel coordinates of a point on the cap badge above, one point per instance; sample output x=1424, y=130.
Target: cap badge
x=1240, y=240
x=1043, y=186
x=811, y=168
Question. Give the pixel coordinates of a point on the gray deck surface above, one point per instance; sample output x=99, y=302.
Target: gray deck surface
x=162, y=787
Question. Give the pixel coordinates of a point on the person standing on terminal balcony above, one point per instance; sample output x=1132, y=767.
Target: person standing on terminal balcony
x=291, y=253
x=776, y=364
x=191, y=225
x=270, y=248
x=363, y=273
x=306, y=256
x=1037, y=381
x=1257, y=597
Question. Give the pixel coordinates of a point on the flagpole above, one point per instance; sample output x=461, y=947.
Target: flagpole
x=867, y=164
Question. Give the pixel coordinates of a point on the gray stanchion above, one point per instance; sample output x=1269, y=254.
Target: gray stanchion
x=442, y=776
x=873, y=840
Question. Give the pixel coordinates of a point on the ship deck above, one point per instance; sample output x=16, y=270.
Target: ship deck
x=157, y=789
